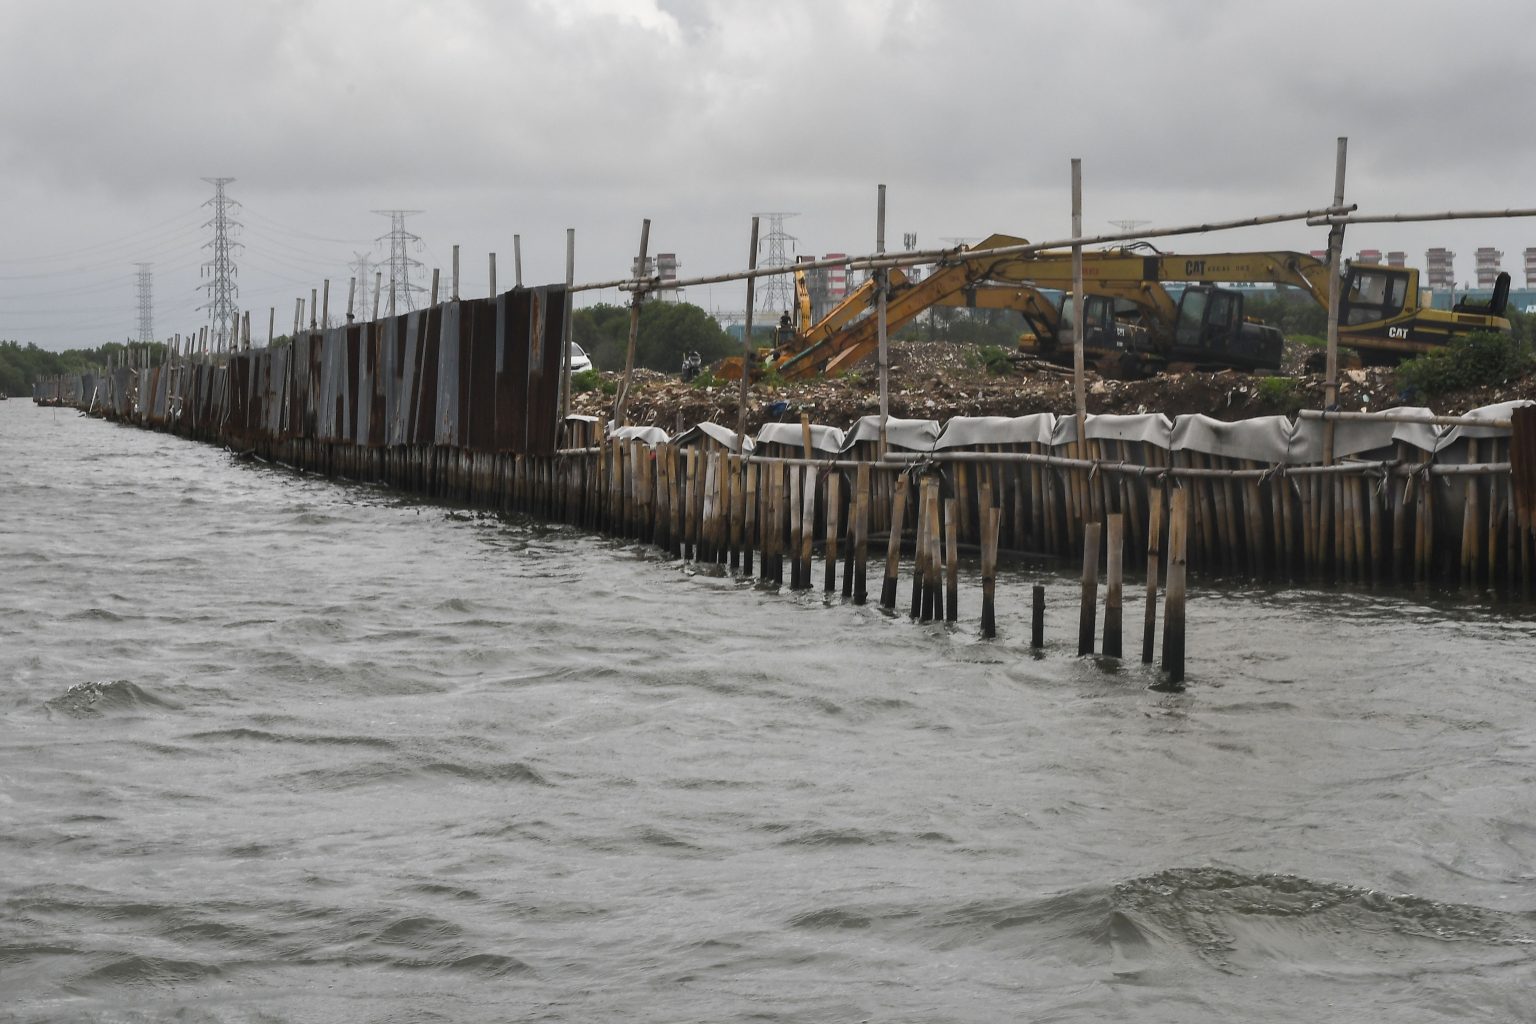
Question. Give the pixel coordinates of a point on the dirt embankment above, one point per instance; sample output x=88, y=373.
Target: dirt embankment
x=937, y=380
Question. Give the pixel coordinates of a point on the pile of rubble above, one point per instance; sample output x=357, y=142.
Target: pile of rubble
x=939, y=381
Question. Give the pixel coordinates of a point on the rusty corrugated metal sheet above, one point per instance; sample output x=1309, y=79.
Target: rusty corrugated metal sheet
x=449, y=399
x=424, y=394
x=545, y=356
x=512, y=370
x=481, y=334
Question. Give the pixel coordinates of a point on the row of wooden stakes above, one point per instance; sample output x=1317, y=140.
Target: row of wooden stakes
x=758, y=515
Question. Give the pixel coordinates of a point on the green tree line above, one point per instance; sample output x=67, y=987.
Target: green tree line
x=21, y=365
x=668, y=331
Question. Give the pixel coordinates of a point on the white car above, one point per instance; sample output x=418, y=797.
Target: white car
x=579, y=359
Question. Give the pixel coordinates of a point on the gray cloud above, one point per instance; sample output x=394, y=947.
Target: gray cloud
x=530, y=117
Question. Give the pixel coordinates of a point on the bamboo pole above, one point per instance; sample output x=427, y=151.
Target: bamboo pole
x=808, y=513
x=883, y=348
x=893, y=543
x=834, y=481
x=796, y=529
x=1154, y=554
x=1173, y=602
x=956, y=254
x=1470, y=511
x=1037, y=617
x=566, y=324
x=749, y=526
x=919, y=546
x=861, y=534
x=951, y=559
x=747, y=352
x=1089, y=608
x=621, y=401
x=991, y=521
x=1114, y=581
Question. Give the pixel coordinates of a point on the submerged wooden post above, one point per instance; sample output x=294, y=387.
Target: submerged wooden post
x=1154, y=556
x=1089, y=610
x=860, y=592
x=893, y=544
x=1037, y=616
x=796, y=529
x=807, y=525
x=951, y=559
x=1112, y=586
x=920, y=550
x=1173, y=602
x=991, y=518
x=749, y=526
x=834, y=480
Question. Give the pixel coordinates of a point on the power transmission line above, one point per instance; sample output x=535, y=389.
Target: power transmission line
x=146, y=305
x=778, y=294
x=402, y=290
x=223, y=318
x=362, y=270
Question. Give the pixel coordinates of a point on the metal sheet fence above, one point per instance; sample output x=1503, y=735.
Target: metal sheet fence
x=481, y=375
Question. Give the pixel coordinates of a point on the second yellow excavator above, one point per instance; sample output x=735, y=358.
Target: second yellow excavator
x=1133, y=323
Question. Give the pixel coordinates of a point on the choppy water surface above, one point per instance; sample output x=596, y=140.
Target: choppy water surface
x=279, y=749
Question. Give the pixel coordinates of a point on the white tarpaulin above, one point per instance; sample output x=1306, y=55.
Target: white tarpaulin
x=1149, y=428
x=721, y=435
x=825, y=440
x=652, y=436
x=908, y=435
x=970, y=431
x=1267, y=439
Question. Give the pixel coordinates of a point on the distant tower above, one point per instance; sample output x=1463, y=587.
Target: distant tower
x=146, y=305
x=837, y=277
x=666, y=269
x=778, y=292
x=362, y=269
x=1439, y=267
x=1397, y=258
x=1488, y=259
x=1530, y=268
x=401, y=265
x=1369, y=257
x=909, y=244
x=223, y=318
x=1128, y=227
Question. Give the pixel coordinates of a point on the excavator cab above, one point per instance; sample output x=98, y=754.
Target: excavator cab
x=1497, y=302
x=1372, y=293
x=1211, y=330
x=1114, y=338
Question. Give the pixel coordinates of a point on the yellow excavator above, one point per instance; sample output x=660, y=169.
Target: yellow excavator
x=795, y=337
x=1381, y=312
x=1133, y=322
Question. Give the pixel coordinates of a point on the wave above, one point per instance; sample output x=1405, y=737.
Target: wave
x=1213, y=919
x=96, y=698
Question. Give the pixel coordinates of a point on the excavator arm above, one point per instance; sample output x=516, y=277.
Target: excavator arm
x=835, y=350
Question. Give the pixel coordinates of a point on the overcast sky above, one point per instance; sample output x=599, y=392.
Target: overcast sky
x=528, y=117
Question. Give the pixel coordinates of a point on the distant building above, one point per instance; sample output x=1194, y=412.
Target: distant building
x=1439, y=268
x=837, y=277
x=1488, y=260
x=1370, y=257
x=1397, y=258
x=666, y=269
x=1530, y=268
